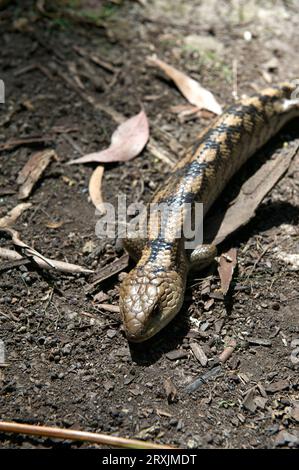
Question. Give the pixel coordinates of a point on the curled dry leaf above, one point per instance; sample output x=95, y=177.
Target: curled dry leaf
x=227, y=264
x=14, y=214
x=54, y=225
x=95, y=189
x=126, y=142
x=12, y=255
x=190, y=88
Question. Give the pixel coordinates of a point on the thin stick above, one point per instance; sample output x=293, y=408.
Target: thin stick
x=235, y=80
x=12, y=255
x=47, y=431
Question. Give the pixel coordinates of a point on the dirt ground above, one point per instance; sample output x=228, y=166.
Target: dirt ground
x=67, y=361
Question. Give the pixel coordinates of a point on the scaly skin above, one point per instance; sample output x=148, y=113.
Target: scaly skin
x=153, y=292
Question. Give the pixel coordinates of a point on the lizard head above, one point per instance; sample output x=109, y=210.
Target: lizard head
x=149, y=299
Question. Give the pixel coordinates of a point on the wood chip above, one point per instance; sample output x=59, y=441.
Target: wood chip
x=163, y=413
x=285, y=437
x=278, y=386
x=260, y=402
x=109, y=308
x=249, y=402
x=176, y=354
x=54, y=225
x=199, y=353
x=216, y=295
x=100, y=297
x=108, y=271
x=33, y=170
x=208, y=304
x=170, y=390
x=260, y=342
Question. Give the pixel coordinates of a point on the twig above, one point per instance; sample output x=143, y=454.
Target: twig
x=30, y=67
x=259, y=258
x=12, y=143
x=227, y=352
x=235, y=79
x=95, y=59
x=47, y=431
x=109, y=308
x=58, y=265
x=203, y=379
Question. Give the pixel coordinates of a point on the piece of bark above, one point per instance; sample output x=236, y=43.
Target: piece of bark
x=176, y=354
x=260, y=342
x=33, y=170
x=227, y=264
x=170, y=390
x=278, y=386
x=108, y=271
x=253, y=191
x=249, y=401
x=199, y=353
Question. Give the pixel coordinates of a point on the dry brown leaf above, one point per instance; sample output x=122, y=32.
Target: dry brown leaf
x=32, y=171
x=14, y=214
x=190, y=88
x=227, y=264
x=127, y=141
x=95, y=189
x=253, y=191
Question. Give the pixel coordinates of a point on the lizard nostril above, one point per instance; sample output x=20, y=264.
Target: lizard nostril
x=156, y=310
